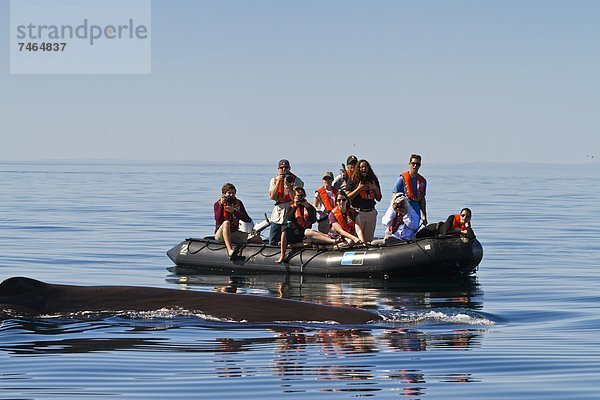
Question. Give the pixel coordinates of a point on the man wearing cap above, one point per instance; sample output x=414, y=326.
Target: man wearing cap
x=281, y=190
x=413, y=186
x=341, y=180
x=325, y=201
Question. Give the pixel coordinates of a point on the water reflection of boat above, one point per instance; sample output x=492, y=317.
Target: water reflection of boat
x=435, y=256
x=373, y=293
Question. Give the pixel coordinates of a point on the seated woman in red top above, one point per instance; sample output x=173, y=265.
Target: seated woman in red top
x=344, y=222
x=229, y=211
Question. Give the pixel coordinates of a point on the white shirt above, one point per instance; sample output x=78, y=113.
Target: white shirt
x=405, y=231
x=279, y=211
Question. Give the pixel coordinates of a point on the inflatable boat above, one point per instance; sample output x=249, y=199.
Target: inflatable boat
x=436, y=256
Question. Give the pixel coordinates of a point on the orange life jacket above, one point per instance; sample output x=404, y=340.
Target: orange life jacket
x=327, y=201
x=457, y=225
x=302, y=217
x=346, y=220
x=231, y=217
x=414, y=194
x=282, y=195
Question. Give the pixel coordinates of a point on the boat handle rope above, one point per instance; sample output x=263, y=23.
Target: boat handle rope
x=197, y=251
x=304, y=264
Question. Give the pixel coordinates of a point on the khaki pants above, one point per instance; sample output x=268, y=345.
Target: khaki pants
x=368, y=221
x=236, y=237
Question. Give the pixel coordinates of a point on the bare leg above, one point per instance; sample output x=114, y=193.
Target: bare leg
x=318, y=237
x=283, y=247
x=227, y=237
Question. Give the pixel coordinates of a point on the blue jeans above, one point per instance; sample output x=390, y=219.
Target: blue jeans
x=275, y=233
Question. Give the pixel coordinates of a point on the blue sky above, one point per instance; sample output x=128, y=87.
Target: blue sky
x=457, y=81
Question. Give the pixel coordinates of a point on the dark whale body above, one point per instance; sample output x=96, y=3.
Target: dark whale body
x=31, y=297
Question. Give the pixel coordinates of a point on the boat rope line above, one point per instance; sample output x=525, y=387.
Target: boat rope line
x=262, y=247
x=304, y=264
x=197, y=251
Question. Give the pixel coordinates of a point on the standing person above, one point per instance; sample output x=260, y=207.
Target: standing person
x=228, y=212
x=281, y=191
x=345, y=224
x=459, y=224
x=325, y=201
x=300, y=218
x=400, y=220
x=414, y=186
x=364, y=192
x=346, y=173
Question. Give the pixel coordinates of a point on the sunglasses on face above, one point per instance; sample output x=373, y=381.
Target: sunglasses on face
x=340, y=200
x=415, y=164
x=465, y=216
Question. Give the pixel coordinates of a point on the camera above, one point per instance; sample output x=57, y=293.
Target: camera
x=289, y=178
x=229, y=201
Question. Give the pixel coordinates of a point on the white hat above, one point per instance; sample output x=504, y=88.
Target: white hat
x=399, y=198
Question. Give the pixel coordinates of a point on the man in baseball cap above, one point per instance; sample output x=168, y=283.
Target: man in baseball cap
x=346, y=173
x=281, y=190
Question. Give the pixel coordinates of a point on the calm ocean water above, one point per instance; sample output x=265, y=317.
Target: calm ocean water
x=526, y=326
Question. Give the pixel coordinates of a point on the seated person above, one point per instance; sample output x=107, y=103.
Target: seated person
x=401, y=220
x=300, y=217
x=344, y=222
x=229, y=211
x=458, y=224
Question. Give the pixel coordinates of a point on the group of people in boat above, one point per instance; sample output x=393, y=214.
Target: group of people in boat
x=343, y=208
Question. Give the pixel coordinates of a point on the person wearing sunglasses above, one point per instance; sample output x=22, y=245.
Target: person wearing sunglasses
x=345, y=225
x=459, y=224
x=300, y=218
x=346, y=173
x=413, y=186
x=281, y=191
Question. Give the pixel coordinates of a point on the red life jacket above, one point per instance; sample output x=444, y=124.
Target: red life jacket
x=414, y=194
x=396, y=223
x=346, y=220
x=231, y=217
x=282, y=195
x=327, y=201
x=302, y=217
x=368, y=194
x=457, y=226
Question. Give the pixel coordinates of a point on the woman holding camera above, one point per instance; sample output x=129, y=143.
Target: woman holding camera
x=300, y=218
x=229, y=211
x=364, y=192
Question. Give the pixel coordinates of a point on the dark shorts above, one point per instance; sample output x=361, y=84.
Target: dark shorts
x=293, y=236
